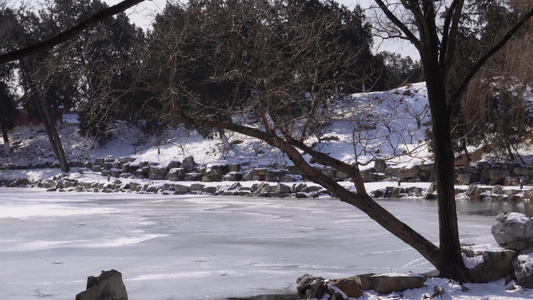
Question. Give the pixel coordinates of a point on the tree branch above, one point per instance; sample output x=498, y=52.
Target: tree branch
x=69, y=33
x=360, y=200
x=510, y=34
x=410, y=36
x=449, y=34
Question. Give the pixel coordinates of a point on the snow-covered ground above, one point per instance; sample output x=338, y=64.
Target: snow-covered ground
x=396, y=110
x=390, y=124
x=200, y=247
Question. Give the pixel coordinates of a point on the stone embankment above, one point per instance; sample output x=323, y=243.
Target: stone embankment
x=125, y=174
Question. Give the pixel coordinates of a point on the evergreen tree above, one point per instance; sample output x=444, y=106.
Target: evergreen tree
x=399, y=71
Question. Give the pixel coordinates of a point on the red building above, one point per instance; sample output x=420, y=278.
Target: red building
x=24, y=118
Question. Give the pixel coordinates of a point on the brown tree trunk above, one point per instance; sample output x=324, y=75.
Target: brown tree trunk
x=451, y=261
x=465, y=149
x=53, y=136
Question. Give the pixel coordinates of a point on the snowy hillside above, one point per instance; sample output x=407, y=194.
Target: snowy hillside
x=390, y=125
x=404, y=112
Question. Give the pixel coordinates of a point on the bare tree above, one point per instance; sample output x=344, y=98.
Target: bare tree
x=42, y=68
x=433, y=28
x=216, y=64
x=68, y=33
x=288, y=85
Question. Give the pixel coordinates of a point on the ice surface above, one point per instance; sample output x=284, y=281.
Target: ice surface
x=199, y=247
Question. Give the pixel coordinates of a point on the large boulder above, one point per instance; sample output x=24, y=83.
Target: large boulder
x=464, y=179
x=181, y=189
x=107, y=286
x=265, y=188
x=427, y=172
x=214, y=173
x=197, y=187
x=409, y=174
x=282, y=188
x=513, y=230
x=232, y=176
x=386, y=284
x=234, y=167
x=115, y=172
x=99, y=161
x=471, y=191
x=188, y=164
x=311, y=287
x=349, y=286
x=176, y=174
x=210, y=190
x=130, y=167
x=174, y=164
x=193, y=176
x=274, y=175
x=488, y=265
x=330, y=172
x=523, y=268
x=497, y=176
x=369, y=176
x=125, y=159
x=471, y=169
x=298, y=187
x=158, y=172
x=109, y=158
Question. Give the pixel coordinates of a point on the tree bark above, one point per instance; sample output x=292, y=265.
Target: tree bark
x=465, y=149
x=451, y=261
x=53, y=136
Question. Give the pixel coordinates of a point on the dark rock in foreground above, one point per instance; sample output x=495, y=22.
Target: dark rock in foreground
x=107, y=286
x=309, y=287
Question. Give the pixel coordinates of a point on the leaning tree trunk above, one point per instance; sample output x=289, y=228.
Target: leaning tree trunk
x=360, y=199
x=7, y=148
x=53, y=136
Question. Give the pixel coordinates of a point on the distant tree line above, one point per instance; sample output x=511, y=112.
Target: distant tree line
x=107, y=72
x=114, y=71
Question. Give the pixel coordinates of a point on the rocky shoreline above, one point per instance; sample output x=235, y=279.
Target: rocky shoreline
x=501, y=182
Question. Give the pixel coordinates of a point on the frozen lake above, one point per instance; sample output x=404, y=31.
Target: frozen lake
x=199, y=247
